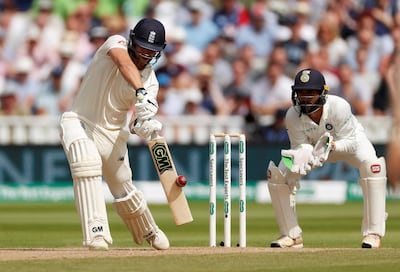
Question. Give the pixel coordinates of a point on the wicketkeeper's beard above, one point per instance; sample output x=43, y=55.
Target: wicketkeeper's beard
x=309, y=109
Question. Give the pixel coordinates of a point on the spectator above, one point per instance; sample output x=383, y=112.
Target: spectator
x=257, y=34
x=9, y=102
x=50, y=27
x=356, y=89
x=182, y=86
x=181, y=52
x=226, y=43
x=296, y=48
x=347, y=12
x=237, y=93
x=200, y=30
x=379, y=48
x=384, y=12
x=97, y=36
x=22, y=81
x=328, y=36
x=222, y=70
x=213, y=101
x=230, y=13
x=303, y=10
x=276, y=133
x=271, y=92
x=320, y=61
x=48, y=99
x=255, y=65
x=43, y=57
x=73, y=71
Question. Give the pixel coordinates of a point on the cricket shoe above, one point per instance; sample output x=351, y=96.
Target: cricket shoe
x=287, y=242
x=158, y=240
x=98, y=243
x=371, y=241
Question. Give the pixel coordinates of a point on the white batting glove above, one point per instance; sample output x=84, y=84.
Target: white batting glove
x=299, y=160
x=146, y=106
x=145, y=128
x=322, y=148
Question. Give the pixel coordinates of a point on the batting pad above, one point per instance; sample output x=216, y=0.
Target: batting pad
x=134, y=212
x=85, y=164
x=89, y=200
x=373, y=184
x=285, y=212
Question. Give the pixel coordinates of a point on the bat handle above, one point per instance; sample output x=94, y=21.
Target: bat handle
x=154, y=135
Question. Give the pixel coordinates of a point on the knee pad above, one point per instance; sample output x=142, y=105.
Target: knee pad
x=84, y=159
x=274, y=174
x=373, y=169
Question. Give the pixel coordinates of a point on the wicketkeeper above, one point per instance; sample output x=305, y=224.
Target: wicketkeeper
x=323, y=129
x=94, y=137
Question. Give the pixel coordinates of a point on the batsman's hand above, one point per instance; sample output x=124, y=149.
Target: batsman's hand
x=322, y=149
x=145, y=128
x=299, y=160
x=146, y=106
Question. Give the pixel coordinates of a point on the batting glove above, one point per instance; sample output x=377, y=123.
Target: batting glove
x=146, y=106
x=145, y=128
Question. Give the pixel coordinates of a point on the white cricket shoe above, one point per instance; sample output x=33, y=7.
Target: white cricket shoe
x=158, y=240
x=286, y=242
x=98, y=243
x=371, y=241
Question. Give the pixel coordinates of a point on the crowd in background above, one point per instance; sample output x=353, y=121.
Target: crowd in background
x=223, y=57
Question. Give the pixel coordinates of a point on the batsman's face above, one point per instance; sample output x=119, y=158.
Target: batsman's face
x=143, y=56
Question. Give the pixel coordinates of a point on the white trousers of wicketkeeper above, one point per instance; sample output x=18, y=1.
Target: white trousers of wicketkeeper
x=372, y=181
x=95, y=153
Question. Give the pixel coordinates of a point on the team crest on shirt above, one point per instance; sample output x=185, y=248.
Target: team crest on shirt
x=329, y=126
x=305, y=76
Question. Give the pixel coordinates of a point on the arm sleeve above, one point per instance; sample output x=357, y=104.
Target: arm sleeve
x=294, y=129
x=345, y=139
x=114, y=41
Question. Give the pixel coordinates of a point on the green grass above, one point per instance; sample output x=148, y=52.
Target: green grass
x=332, y=230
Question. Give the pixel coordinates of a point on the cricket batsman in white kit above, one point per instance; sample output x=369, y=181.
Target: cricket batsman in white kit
x=322, y=128
x=94, y=137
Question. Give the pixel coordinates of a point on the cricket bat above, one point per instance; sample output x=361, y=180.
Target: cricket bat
x=167, y=173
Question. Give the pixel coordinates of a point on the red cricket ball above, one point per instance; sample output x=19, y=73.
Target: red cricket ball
x=181, y=181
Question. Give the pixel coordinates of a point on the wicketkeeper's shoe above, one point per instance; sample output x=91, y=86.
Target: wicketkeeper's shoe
x=286, y=242
x=371, y=241
x=158, y=240
x=98, y=243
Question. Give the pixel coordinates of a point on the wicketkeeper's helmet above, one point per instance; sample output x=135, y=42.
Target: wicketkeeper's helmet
x=309, y=79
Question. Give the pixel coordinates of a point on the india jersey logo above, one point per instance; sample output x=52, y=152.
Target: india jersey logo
x=305, y=76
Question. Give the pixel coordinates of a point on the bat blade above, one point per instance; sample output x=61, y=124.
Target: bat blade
x=167, y=173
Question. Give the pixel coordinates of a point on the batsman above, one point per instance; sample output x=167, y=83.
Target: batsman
x=94, y=134
x=321, y=129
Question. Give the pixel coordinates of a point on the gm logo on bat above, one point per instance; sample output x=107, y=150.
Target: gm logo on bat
x=160, y=155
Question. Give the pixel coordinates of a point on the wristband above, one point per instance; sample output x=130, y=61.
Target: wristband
x=141, y=91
